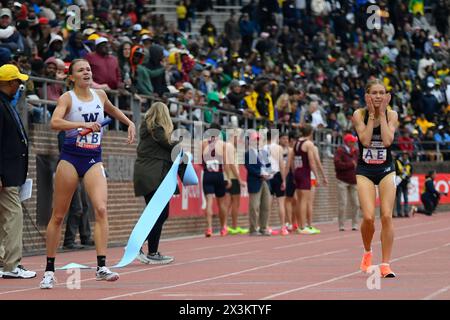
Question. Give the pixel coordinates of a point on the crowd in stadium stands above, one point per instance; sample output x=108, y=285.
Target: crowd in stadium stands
x=292, y=62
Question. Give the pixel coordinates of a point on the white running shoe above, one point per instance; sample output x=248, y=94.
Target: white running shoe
x=158, y=258
x=48, y=281
x=104, y=273
x=142, y=257
x=18, y=273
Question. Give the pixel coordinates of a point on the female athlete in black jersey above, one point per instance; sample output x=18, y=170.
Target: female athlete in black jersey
x=376, y=127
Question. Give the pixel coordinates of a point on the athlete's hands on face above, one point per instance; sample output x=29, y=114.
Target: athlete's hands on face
x=385, y=103
x=369, y=103
x=94, y=126
x=131, y=133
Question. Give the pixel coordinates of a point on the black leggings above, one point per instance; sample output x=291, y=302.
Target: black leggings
x=154, y=235
x=430, y=203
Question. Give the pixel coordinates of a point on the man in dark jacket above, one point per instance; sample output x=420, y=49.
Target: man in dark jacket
x=13, y=172
x=156, y=62
x=258, y=190
x=345, y=160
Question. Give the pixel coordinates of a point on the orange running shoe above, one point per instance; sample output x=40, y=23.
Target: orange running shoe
x=224, y=231
x=366, y=261
x=208, y=232
x=386, y=271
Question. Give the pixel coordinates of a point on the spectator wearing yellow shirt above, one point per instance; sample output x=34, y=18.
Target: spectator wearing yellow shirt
x=182, y=15
x=424, y=124
x=259, y=102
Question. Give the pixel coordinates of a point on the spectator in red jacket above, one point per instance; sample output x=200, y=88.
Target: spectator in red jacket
x=345, y=160
x=406, y=143
x=104, y=66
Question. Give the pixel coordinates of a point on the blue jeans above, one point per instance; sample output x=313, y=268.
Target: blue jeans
x=402, y=189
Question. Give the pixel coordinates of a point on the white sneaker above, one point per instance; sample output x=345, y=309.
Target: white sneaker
x=48, y=281
x=18, y=273
x=142, y=257
x=1, y=272
x=157, y=258
x=104, y=273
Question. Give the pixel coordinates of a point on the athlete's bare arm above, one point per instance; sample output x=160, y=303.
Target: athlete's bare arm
x=364, y=131
x=118, y=114
x=309, y=148
x=319, y=165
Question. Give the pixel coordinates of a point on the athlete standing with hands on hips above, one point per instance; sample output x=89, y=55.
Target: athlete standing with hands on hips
x=376, y=127
x=81, y=157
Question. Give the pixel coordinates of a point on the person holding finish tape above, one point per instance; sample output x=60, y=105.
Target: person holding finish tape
x=152, y=164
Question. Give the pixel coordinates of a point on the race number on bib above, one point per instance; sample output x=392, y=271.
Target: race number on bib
x=90, y=141
x=298, y=162
x=374, y=156
x=212, y=165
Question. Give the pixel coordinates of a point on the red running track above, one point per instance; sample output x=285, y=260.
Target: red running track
x=292, y=267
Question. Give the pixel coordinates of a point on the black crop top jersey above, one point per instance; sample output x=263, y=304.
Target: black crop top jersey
x=376, y=156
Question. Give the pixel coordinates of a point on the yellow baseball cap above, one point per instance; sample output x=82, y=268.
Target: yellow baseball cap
x=10, y=72
x=93, y=37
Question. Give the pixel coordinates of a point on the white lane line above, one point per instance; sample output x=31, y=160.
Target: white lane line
x=145, y=269
x=201, y=294
x=440, y=291
x=351, y=235
x=223, y=275
x=435, y=294
x=357, y=272
x=204, y=259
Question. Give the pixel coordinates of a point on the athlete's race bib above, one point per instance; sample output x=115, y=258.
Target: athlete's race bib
x=298, y=162
x=374, y=156
x=213, y=165
x=90, y=141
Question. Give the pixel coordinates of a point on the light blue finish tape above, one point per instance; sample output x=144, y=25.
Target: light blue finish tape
x=151, y=213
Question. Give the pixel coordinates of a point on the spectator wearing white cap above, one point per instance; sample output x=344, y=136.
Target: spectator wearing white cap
x=104, y=66
x=55, y=48
x=146, y=41
x=137, y=28
x=19, y=11
x=236, y=94
x=8, y=35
